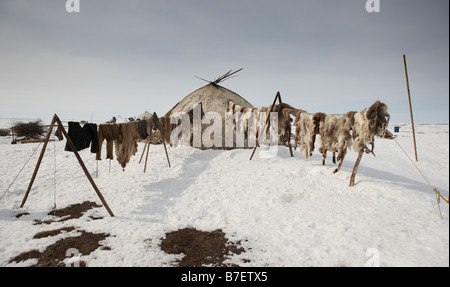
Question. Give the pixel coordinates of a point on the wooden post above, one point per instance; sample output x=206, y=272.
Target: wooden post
x=142, y=155
x=74, y=149
x=410, y=107
x=146, y=158
x=253, y=153
x=355, y=169
x=167, y=155
x=166, y=134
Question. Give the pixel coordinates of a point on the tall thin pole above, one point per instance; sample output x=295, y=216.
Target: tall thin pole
x=146, y=158
x=410, y=107
x=167, y=155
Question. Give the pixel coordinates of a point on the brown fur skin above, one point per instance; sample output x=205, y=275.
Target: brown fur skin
x=126, y=145
x=337, y=132
x=369, y=123
x=284, y=120
x=305, y=133
x=283, y=110
x=235, y=109
x=335, y=135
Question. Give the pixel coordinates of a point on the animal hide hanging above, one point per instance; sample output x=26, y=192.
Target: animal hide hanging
x=369, y=123
x=126, y=145
x=335, y=135
x=305, y=135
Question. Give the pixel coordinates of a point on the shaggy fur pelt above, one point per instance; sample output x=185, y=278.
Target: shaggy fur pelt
x=335, y=135
x=241, y=117
x=126, y=145
x=369, y=123
x=284, y=111
x=308, y=126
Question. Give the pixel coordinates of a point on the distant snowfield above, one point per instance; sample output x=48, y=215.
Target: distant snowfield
x=284, y=211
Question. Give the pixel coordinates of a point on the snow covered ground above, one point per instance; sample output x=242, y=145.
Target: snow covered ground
x=285, y=211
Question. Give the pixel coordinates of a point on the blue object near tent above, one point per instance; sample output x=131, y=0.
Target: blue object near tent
x=396, y=129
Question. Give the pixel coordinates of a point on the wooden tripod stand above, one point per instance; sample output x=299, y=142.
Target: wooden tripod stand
x=147, y=144
x=69, y=141
x=277, y=97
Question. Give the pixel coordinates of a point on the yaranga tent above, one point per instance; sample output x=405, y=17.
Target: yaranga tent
x=207, y=99
x=212, y=97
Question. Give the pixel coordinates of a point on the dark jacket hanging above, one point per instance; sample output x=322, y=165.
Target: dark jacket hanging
x=82, y=137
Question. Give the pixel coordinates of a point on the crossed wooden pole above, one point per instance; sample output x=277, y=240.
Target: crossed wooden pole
x=277, y=97
x=74, y=149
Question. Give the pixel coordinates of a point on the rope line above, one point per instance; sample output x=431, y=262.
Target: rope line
x=423, y=175
x=20, y=171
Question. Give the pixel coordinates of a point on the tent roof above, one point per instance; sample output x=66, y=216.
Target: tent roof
x=214, y=98
x=144, y=116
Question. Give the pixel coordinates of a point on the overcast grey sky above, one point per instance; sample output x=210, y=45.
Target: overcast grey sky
x=126, y=57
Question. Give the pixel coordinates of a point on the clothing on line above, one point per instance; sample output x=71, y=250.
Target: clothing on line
x=142, y=128
x=145, y=128
x=82, y=137
x=108, y=132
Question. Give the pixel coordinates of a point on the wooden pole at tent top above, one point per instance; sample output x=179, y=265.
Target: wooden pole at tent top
x=410, y=107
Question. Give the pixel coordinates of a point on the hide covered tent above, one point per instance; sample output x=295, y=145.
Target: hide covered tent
x=212, y=97
x=209, y=98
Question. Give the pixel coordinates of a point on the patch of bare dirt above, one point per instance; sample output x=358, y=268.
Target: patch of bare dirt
x=200, y=248
x=52, y=232
x=54, y=255
x=70, y=212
